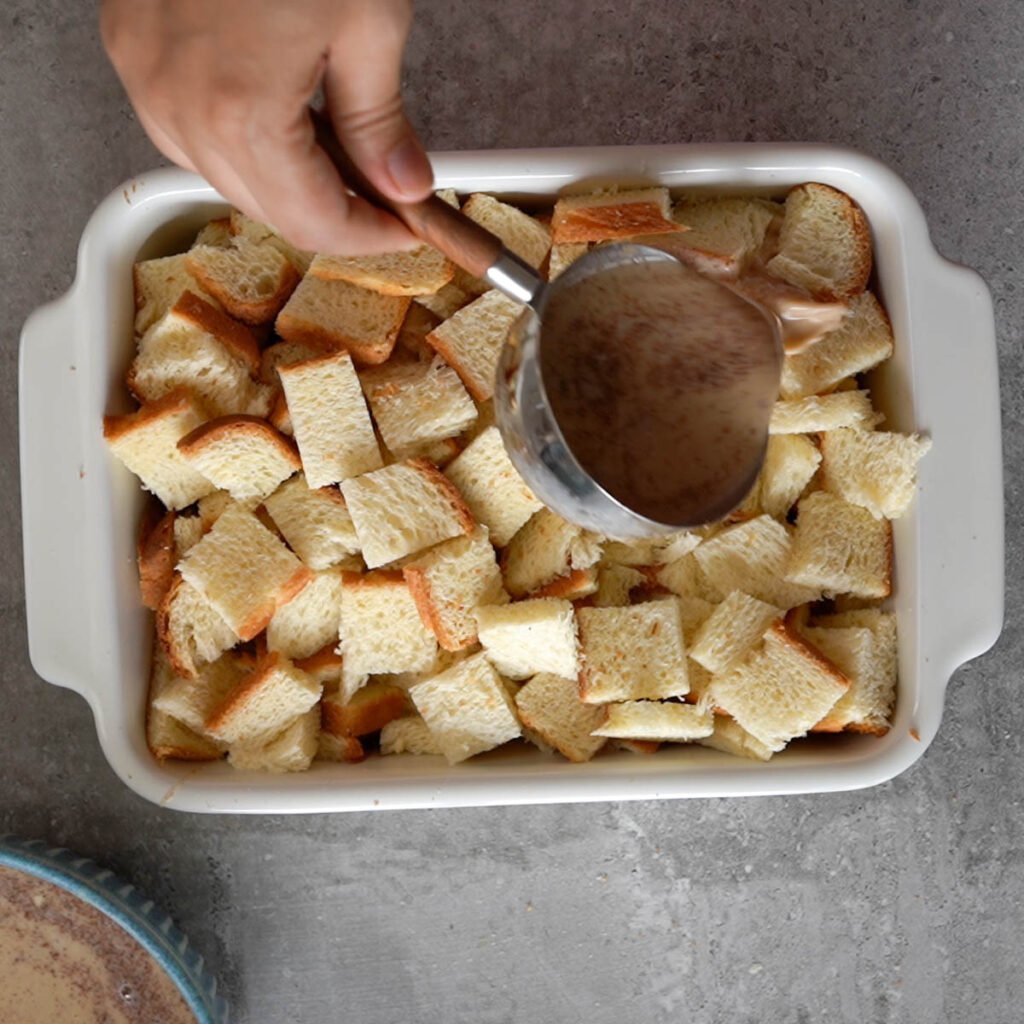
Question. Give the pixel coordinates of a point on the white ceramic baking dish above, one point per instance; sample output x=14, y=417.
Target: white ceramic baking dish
x=88, y=631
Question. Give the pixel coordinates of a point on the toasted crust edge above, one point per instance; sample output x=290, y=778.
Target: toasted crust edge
x=212, y=431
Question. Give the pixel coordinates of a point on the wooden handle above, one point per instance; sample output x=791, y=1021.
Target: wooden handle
x=444, y=227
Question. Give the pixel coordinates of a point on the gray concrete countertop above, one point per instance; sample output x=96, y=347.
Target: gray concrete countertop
x=901, y=903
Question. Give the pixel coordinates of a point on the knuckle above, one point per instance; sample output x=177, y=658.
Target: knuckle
x=372, y=121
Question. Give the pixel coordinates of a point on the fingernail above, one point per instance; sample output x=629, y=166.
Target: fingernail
x=410, y=169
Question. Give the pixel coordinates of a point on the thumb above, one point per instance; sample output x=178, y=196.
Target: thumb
x=362, y=86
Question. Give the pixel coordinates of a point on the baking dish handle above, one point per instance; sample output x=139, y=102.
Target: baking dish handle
x=962, y=510
x=52, y=467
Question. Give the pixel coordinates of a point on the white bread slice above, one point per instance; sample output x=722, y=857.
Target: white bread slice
x=403, y=508
x=159, y=284
x=519, y=232
x=215, y=232
x=790, y=462
x=634, y=653
x=253, y=231
x=252, y=282
x=449, y=581
x=725, y=234
x=339, y=748
x=263, y=703
x=826, y=412
x=146, y=441
x=333, y=316
x=607, y=215
x=310, y=620
x=731, y=738
x=824, y=244
x=417, y=404
x=282, y=353
x=471, y=340
x=862, y=342
x=466, y=709
x=685, y=577
x=614, y=585
x=192, y=700
x=242, y=455
x=420, y=271
x=324, y=665
x=190, y=629
x=666, y=722
x=732, y=630
x=188, y=347
x=188, y=531
x=753, y=557
x=291, y=750
x=496, y=494
x=408, y=735
x=550, y=708
x=314, y=521
x=564, y=255
x=528, y=637
x=156, y=555
x=876, y=470
x=244, y=571
x=781, y=691
x=867, y=657
x=546, y=548
x=368, y=710
x=166, y=737
x=840, y=548
x=445, y=303
x=381, y=630
x=331, y=422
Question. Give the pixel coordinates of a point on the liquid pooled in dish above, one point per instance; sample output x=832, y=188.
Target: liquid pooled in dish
x=62, y=960
x=662, y=382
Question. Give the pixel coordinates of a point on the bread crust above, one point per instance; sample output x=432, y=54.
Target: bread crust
x=156, y=558
x=617, y=220
x=213, y=431
x=466, y=521
x=176, y=401
x=250, y=312
x=235, y=337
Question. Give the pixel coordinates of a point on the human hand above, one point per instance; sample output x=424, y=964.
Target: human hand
x=222, y=87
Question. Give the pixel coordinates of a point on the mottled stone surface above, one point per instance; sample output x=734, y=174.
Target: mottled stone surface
x=901, y=903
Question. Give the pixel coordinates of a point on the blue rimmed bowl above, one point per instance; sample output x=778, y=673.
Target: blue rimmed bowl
x=139, y=917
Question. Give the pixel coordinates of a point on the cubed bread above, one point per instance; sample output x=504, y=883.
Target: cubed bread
x=191, y=631
x=310, y=620
x=191, y=701
x=146, y=441
x=451, y=580
x=290, y=750
x=876, y=470
x=563, y=256
x=686, y=578
x=333, y=316
x=408, y=735
x=496, y=494
x=546, y=548
x=368, y=710
x=257, y=233
x=731, y=631
x=725, y=233
x=404, y=508
x=840, y=548
x=660, y=721
x=244, y=571
x=781, y=691
x=420, y=271
x=156, y=555
x=166, y=737
x=731, y=738
x=530, y=637
x=466, y=709
x=790, y=462
x=188, y=531
x=445, y=303
x=615, y=583
x=862, y=342
x=339, y=748
x=753, y=557
x=314, y=521
x=416, y=404
x=242, y=455
x=519, y=232
x=816, y=413
x=381, y=629
x=634, y=653
x=614, y=214
x=251, y=281
x=824, y=244
x=159, y=284
x=330, y=419
x=549, y=706
x=471, y=340
x=263, y=703
x=282, y=353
